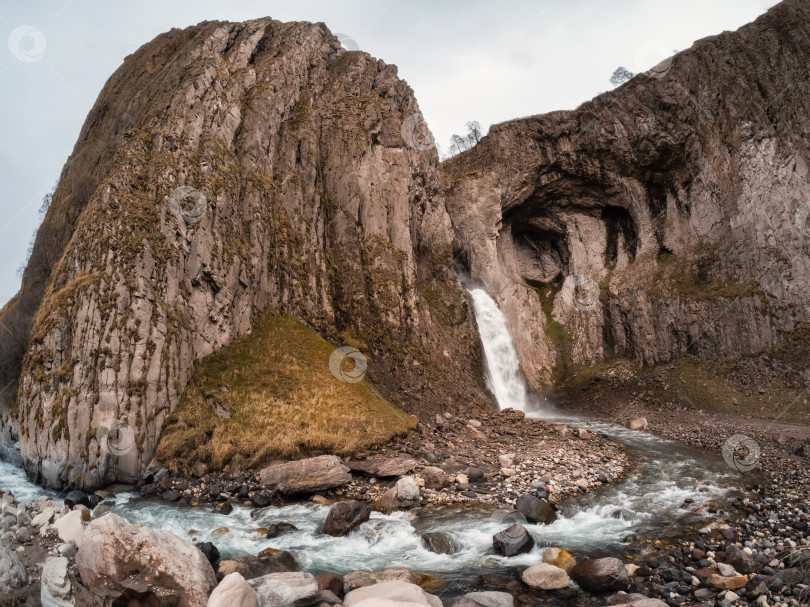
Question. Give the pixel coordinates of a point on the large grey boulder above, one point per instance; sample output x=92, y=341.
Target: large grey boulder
x=485, y=599
x=233, y=591
x=12, y=571
x=405, y=494
x=306, y=475
x=119, y=559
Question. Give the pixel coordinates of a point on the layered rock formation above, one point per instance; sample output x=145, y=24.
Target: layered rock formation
x=666, y=217
x=226, y=168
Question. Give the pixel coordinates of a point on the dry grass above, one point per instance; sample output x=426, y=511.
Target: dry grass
x=285, y=403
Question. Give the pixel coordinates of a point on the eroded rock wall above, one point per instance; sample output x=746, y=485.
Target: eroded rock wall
x=306, y=196
x=664, y=217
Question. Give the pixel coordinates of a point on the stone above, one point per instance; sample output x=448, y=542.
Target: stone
x=559, y=558
x=384, y=467
x=476, y=475
x=435, y=478
x=405, y=494
x=262, y=499
x=741, y=560
x=117, y=560
x=233, y=591
x=440, y=543
x=546, y=577
x=637, y=423
x=77, y=497
x=726, y=583
x=251, y=567
x=726, y=570
x=600, y=575
x=55, y=585
x=513, y=540
x=506, y=460
x=210, y=552
x=535, y=510
x=70, y=527
x=289, y=589
x=12, y=571
x=307, y=475
x=277, y=529
x=395, y=592
x=345, y=517
x=331, y=582
x=485, y=599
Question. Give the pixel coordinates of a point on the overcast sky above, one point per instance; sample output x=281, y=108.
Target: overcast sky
x=466, y=59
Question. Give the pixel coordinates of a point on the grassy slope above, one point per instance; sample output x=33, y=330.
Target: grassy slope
x=286, y=403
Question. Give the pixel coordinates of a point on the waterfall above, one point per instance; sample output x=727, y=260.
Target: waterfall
x=504, y=376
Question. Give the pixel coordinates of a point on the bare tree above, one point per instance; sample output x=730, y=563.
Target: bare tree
x=620, y=76
x=462, y=143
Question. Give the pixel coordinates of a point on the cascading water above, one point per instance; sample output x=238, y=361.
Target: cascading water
x=503, y=372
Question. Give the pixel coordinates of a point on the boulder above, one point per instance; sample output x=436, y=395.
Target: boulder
x=291, y=589
x=277, y=529
x=306, y=475
x=331, y=582
x=440, y=543
x=118, y=559
x=546, y=577
x=55, y=589
x=12, y=571
x=405, y=494
x=251, y=567
x=435, y=478
x=637, y=423
x=384, y=467
x=70, y=527
x=345, y=517
x=210, y=551
x=559, y=558
x=233, y=591
x=394, y=592
x=512, y=541
x=74, y=498
x=601, y=575
x=535, y=510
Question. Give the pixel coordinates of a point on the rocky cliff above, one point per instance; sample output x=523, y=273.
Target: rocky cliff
x=225, y=169
x=663, y=218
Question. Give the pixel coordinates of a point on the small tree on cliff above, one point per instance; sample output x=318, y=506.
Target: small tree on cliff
x=462, y=143
x=620, y=76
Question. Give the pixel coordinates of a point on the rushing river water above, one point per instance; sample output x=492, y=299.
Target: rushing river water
x=647, y=504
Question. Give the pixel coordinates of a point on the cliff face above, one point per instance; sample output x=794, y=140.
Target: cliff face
x=666, y=217
x=226, y=168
